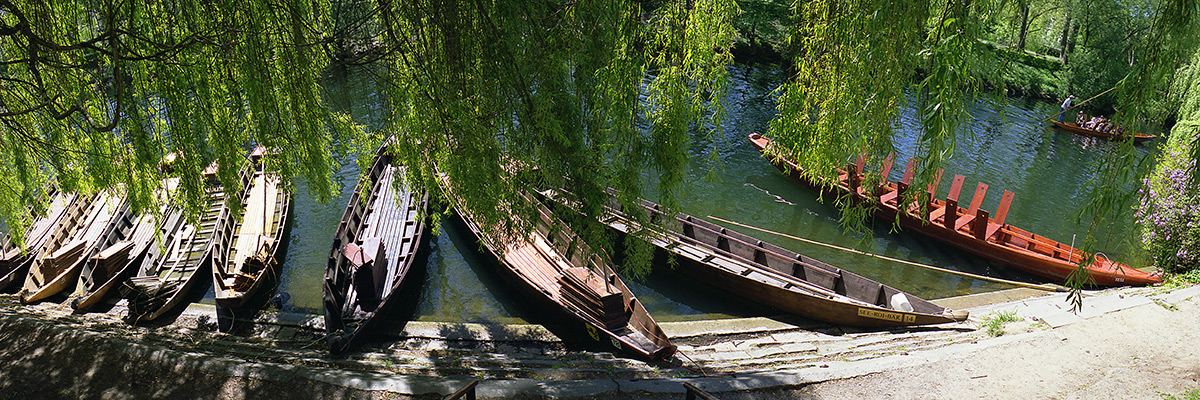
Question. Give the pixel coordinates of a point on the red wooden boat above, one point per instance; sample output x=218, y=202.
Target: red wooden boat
x=1075, y=128
x=972, y=230
x=553, y=264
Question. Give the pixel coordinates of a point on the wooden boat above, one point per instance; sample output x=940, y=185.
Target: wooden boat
x=14, y=260
x=158, y=287
x=145, y=244
x=372, y=252
x=78, y=237
x=780, y=278
x=972, y=230
x=554, y=265
x=1075, y=128
x=241, y=270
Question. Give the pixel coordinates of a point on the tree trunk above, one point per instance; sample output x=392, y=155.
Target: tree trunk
x=1023, y=14
x=1066, y=36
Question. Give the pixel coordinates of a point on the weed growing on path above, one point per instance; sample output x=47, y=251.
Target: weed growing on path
x=996, y=320
x=1193, y=394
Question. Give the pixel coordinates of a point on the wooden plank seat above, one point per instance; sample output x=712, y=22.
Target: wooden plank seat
x=980, y=193
x=591, y=294
x=810, y=277
x=1001, y=214
x=901, y=187
x=950, y=215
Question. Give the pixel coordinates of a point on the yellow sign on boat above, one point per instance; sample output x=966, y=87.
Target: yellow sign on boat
x=885, y=315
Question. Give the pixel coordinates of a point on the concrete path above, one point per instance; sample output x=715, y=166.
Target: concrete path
x=1128, y=343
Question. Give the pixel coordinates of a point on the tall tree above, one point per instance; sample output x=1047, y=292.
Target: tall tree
x=1064, y=40
x=502, y=96
x=508, y=96
x=93, y=94
x=1022, y=22
x=857, y=64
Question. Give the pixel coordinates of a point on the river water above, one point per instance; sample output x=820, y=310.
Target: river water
x=1007, y=149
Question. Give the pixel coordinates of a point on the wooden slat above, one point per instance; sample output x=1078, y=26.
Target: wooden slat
x=1002, y=211
x=956, y=187
x=980, y=193
x=887, y=166
x=933, y=185
x=860, y=163
x=889, y=195
x=909, y=172
x=1001, y=214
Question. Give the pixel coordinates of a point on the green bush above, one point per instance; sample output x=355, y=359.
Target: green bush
x=1170, y=215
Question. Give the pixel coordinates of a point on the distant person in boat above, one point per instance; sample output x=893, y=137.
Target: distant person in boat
x=1065, y=105
x=1080, y=118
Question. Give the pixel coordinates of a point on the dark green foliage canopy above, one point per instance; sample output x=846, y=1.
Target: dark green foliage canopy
x=502, y=96
x=94, y=94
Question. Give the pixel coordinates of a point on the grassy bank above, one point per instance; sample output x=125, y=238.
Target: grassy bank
x=764, y=26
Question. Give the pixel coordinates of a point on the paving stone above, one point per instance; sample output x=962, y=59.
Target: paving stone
x=730, y=355
x=766, y=352
x=799, y=347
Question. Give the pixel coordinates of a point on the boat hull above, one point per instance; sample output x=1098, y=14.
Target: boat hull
x=568, y=323
x=1008, y=245
x=774, y=276
x=249, y=263
x=103, y=222
x=1073, y=128
x=14, y=264
x=400, y=229
x=554, y=266
x=158, y=288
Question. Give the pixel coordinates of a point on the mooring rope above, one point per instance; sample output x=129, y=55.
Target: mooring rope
x=906, y=262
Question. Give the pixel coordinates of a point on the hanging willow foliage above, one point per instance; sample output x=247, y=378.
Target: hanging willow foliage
x=864, y=60
x=512, y=96
x=856, y=68
x=94, y=94
x=502, y=96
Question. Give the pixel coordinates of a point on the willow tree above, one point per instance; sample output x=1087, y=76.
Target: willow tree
x=501, y=96
x=862, y=60
x=510, y=96
x=94, y=94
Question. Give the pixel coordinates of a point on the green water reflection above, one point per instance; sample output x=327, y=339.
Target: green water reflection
x=1008, y=150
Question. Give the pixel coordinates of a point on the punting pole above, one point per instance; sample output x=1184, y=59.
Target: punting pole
x=1050, y=288
x=1077, y=105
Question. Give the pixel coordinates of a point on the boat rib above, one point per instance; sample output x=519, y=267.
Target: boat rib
x=158, y=287
x=373, y=250
x=244, y=268
x=555, y=265
x=972, y=230
x=14, y=260
x=774, y=276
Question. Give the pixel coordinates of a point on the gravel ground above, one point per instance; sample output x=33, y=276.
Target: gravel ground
x=1139, y=352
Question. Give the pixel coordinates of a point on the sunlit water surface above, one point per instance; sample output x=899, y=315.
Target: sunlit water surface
x=1008, y=149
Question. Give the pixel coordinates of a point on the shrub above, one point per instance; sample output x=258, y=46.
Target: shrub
x=1170, y=216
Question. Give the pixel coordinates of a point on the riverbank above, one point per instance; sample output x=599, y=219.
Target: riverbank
x=1130, y=342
